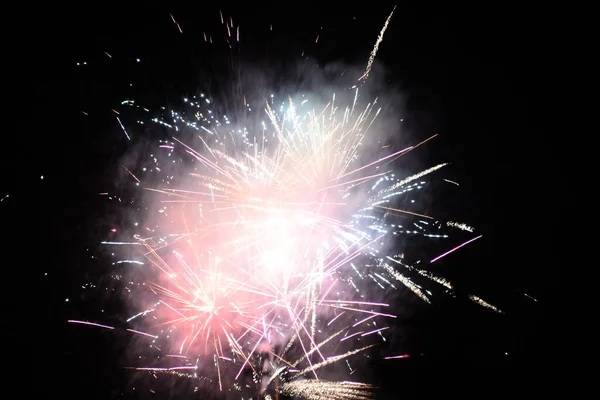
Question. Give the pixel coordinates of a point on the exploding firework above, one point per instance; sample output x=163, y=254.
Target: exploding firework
x=255, y=253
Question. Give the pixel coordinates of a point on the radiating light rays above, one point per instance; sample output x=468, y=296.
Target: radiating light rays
x=264, y=250
x=263, y=253
x=266, y=242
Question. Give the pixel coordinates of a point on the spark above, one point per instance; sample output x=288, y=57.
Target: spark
x=176, y=23
x=73, y=321
x=530, y=297
x=121, y=243
x=407, y=282
x=414, y=177
x=405, y=212
x=323, y=390
x=131, y=173
x=122, y=127
x=375, y=331
x=397, y=357
x=461, y=225
x=456, y=248
x=365, y=75
x=485, y=304
x=142, y=333
x=130, y=262
x=332, y=360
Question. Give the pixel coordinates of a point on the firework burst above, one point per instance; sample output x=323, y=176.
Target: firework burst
x=254, y=259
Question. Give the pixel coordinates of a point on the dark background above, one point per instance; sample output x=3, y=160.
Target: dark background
x=477, y=75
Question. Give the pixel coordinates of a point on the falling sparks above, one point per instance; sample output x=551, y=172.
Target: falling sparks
x=461, y=226
x=403, y=182
x=122, y=127
x=485, y=304
x=407, y=282
x=176, y=23
x=327, y=390
x=373, y=54
x=130, y=173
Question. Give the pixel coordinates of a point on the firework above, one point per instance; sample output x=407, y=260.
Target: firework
x=267, y=235
x=318, y=390
x=269, y=238
x=252, y=256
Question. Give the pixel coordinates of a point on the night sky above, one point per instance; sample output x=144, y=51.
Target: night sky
x=472, y=75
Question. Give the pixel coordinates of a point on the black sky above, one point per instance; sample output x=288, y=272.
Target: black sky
x=477, y=75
